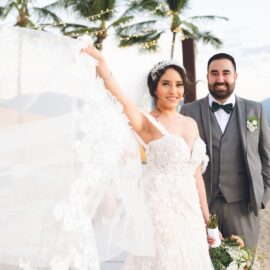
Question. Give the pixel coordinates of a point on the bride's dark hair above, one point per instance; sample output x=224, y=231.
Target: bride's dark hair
x=157, y=71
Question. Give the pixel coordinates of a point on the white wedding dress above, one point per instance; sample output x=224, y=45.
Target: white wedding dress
x=173, y=202
x=72, y=193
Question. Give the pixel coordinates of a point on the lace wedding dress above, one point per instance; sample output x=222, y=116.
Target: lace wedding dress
x=173, y=202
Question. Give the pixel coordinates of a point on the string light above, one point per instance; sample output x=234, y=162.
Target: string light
x=150, y=45
x=161, y=7
x=177, y=29
x=102, y=12
x=88, y=32
x=138, y=35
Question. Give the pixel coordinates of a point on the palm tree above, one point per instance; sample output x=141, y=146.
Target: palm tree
x=170, y=11
x=98, y=17
x=28, y=15
x=93, y=15
x=187, y=27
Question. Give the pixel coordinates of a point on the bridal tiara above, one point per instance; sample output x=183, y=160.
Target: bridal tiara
x=160, y=66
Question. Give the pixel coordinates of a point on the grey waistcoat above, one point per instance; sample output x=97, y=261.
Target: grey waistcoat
x=229, y=170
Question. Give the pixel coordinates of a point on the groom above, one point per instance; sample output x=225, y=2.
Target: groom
x=237, y=135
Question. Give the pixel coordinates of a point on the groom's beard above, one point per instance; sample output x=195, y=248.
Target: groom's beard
x=221, y=94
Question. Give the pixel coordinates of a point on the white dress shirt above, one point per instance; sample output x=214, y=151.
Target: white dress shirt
x=221, y=116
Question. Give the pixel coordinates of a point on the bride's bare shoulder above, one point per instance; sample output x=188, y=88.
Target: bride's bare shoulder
x=190, y=125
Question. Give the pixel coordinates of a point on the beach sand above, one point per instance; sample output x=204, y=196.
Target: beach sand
x=263, y=249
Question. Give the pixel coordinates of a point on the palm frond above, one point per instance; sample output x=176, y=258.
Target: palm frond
x=177, y=5
x=205, y=37
x=122, y=20
x=70, y=29
x=7, y=9
x=29, y=23
x=100, y=6
x=129, y=13
x=187, y=33
x=80, y=7
x=146, y=43
x=1, y=11
x=150, y=7
x=190, y=26
x=208, y=38
x=208, y=18
x=142, y=5
x=59, y=4
x=176, y=21
x=103, y=5
x=45, y=14
x=77, y=26
x=134, y=28
x=79, y=32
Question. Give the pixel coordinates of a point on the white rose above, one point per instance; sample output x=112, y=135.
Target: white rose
x=233, y=266
x=254, y=123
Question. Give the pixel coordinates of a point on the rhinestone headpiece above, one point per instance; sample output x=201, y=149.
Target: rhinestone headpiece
x=160, y=66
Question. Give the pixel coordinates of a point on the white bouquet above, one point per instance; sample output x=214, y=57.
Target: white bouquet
x=230, y=253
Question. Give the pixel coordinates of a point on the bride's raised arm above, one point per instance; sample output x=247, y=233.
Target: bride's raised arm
x=136, y=118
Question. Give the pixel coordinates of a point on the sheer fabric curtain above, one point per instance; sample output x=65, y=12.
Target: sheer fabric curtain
x=69, y=164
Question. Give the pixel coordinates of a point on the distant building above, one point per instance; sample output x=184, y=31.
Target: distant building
x=266, y=105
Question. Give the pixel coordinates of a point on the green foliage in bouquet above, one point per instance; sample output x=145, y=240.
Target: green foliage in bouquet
x=212, y=222
x=231, y=254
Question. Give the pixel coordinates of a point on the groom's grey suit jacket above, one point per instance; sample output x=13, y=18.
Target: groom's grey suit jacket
x=254, y=149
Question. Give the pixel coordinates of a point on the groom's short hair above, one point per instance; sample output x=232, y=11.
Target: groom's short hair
x=219, y=56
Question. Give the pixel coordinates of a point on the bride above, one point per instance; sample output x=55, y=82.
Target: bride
x=172, y=183
x=72, y=193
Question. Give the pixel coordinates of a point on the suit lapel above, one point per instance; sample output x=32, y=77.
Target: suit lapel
x=242, y=121
x=205, y=113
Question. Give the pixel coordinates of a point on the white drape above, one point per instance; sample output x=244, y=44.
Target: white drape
x=69, y=164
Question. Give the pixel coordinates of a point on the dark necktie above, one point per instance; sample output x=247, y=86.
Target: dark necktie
x=227, y=107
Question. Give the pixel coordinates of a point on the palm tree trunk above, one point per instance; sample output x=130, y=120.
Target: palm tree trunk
x=101, y=35
x=99, y=43
x=173, y=43
x=188, y=49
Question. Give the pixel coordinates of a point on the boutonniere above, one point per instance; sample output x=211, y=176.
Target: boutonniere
x=253, y=123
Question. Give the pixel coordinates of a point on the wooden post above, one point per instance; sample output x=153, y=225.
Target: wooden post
x=188, y=49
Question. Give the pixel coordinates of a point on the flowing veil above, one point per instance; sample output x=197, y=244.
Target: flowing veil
x=70, y=167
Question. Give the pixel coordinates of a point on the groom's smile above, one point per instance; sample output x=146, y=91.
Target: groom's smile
x=221, y=79
x=221, y=86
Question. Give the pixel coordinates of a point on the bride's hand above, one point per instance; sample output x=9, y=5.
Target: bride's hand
x=93, y=52
x=102, y=68
x=212, y=240
x=220, y=235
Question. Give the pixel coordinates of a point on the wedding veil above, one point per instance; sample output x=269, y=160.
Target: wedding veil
x=69, y=164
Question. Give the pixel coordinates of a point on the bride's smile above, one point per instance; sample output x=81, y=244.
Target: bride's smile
x=170, y=89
